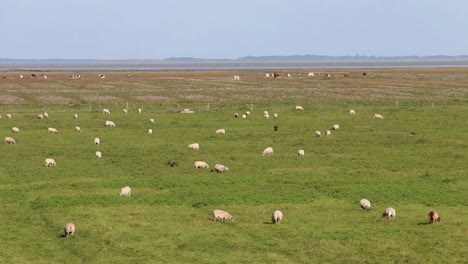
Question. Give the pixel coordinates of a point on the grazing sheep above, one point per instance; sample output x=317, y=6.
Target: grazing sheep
x=265, y=113
x=150, y=131
x=10, y=140
x=433, y=217
x=336, y=127
x=268, y=151
x=221, y=131
x=139, y=110
x=52, y=130
x=247, y=113
x=110, y=124
x=221, y=168
x=318, y=134
x=222, y=215
x=275, y=115
x=106, y=111
x=266, y=116
x=40, y=116
x=327, y=132
x=98, y=154
x=201, y=164
x=151, y=120
x=125, y=111
x=125, y=191
x=365, y=205
x=299, y=108
x=69, y=229
x=78, y=129
x=301, y=152
x=352, y=112
x=390, y=213
x=15, y=130
x=236, y=115
x=46, y=115
x=8, y=116
x=50, y=162
x=97, y=141
x=75, y=116
x=378, y=116
x=194, y=146
x=276, y=216
x=244, y=116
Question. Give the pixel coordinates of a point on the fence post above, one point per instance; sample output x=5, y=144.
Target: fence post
x=396, y=104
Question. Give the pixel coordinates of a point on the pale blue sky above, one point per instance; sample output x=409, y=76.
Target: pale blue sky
x=154, y=29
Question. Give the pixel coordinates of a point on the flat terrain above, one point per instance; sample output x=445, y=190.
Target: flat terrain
x=414, y=160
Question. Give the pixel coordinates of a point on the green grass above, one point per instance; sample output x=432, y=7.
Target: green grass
x=414, y=160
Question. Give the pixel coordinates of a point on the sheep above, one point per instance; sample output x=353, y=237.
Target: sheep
x=390, y=213
x=52, y=130
x=50, y=162
x=151, y=120
x=75, y=116
x=327, y=133
x=275, y=115
x=300, y=152
x=222, y=215
x=125, y=111
x=110, y=124
x=299, y=108
x=352, y=112
x=125, y=191
x=318, y=134
x=247, y=113
x=265, y=113
x=433, y=217
x=335, y=127
x=139, y=110
x=378, y=116
x=268, y=151
x=266, y=116
x=365, y=205
x=101, y=76
x=97, y=141
x=98, y=154
x=276, y=216
x=40, y=116
x=8, y=116
x=244, y=116
x=194, y=146
x=10, y=140
x=221, y=131
x=219, y=168
x=236, y=115
x=150, y=131
x=69, y=229
x=15, y=130
x=77, y=129
x=46, y=115
x=200, y=164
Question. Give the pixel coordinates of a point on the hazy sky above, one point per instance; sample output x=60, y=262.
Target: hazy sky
x=156, y=29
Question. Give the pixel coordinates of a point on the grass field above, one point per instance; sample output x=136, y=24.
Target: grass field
x=415, y=160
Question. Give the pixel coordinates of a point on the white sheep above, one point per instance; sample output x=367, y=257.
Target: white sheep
x=378, y=116
x=244, y=116
x=52, y=130
x=50, y=162
x=318, y=134
x=222, y=215
x=194, y=146
x=10, y=140
x=219, y=168
x=365, y=205
x=69, y=229
x=301, y=152
x=40, y=116
x=236, y=115
x=75, y=116
x=150, y=131
x=201, y=164
x=78, y=129
x=110, y=124
x=266, y=116
x=46, y=115
x=268, y=151
x=15, y=130
x=106, y=111
x=151, y=120
x=247, y=113
x=352, y=112
x=139, y=110
x=327, y=132
x=299, y=108
x=276, y=216
x=336, y=127
x=265, y=113
x=275, y=115
x=390, y=213
x=125, y=111
x=97, y=141
x=221, y=131
x=98, y=154
x=125, y=191
x=8, y=116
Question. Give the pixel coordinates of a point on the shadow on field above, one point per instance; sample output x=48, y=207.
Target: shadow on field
x=424, y=223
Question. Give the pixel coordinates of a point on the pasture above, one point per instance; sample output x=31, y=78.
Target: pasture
x=414, y=160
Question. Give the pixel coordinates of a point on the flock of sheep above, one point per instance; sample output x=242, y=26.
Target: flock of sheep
x=218, y=215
